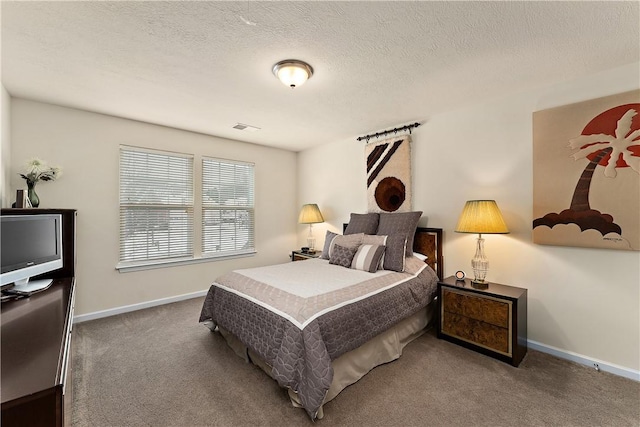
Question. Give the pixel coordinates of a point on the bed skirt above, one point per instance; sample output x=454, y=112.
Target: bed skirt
x=353, y=365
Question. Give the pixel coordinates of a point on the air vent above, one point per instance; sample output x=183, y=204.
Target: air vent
x=246, y=128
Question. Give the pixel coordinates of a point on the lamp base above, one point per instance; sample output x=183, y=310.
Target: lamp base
x=479, y=285
x=479, y=263
x=311, y=243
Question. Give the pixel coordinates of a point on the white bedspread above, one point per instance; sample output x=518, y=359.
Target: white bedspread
x=314, y=277
x=305, y=290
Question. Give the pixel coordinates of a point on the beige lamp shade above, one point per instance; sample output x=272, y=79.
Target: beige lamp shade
x=482, y=217
x=310, y=214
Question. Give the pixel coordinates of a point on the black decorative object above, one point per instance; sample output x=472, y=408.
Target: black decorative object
x=388, y=131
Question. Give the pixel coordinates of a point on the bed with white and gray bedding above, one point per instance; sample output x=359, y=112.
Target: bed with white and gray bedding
x=316, y=326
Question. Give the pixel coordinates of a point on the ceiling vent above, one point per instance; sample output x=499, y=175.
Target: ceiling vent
x=246, y=128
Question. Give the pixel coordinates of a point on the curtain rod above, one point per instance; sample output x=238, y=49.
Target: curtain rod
x=388, y=131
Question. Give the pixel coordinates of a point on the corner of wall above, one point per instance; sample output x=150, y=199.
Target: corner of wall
x=5, y=154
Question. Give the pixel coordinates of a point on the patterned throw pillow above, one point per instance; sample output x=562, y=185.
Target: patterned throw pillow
x=363, y=223
x=403, y=223
x=342, y=256
x=328, y=238
x=374, y=240
x=395, y=253
x=350, y=241
x=367, y=258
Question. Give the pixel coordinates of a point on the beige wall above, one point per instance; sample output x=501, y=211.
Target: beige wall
x=5, y=155
x=86, y=146
x=584, y=301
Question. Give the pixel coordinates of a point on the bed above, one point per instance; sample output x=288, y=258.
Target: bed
x=317, y=327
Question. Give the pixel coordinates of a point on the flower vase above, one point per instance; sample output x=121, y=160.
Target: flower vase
x=31, y=193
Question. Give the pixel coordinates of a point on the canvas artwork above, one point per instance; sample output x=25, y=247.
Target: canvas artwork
x=389, y=175
x=586, y=173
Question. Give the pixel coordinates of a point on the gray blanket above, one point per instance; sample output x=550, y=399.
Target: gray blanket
x=299, y=343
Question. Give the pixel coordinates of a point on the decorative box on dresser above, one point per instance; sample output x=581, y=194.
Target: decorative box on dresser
x=490, y=319
x=36, y=342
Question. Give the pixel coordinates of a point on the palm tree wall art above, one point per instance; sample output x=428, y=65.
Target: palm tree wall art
x=587, y=157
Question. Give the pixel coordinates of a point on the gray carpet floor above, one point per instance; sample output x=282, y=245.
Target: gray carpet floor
x=159, y=367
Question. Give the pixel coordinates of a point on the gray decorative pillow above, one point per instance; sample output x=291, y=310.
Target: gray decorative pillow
x=394, y=253
x=328, y=238
x=403, y=223
x=376, y=240
x=363, y=223
x=350, y=241
x=367, y=258
x=342, y=256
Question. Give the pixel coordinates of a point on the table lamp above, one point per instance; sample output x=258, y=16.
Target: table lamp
x=310, y=214
x=482, y=217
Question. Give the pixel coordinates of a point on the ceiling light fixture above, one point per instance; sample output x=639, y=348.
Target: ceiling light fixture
x=292, y=72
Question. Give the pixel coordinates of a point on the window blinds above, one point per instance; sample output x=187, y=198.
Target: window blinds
x=227, y=207
x=156, y=205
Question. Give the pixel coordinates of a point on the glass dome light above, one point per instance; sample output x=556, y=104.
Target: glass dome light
x=292, y=73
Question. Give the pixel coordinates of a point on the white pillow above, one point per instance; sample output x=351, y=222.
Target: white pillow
x=421, y=257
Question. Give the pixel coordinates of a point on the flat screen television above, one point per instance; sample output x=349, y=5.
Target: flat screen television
x=31, y=245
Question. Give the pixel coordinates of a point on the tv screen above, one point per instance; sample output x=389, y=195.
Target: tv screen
x=31, y=245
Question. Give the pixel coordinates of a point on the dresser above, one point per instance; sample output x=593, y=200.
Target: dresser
x=490, y=319
x=36, y=343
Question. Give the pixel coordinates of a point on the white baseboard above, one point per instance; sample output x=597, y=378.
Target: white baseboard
x=133, y=307
x=584, y=360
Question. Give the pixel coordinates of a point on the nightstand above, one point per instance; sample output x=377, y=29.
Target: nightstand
x=300, y=256
x=491, y=320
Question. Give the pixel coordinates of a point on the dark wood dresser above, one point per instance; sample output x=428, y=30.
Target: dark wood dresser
x=36, y=343
x=491, y=319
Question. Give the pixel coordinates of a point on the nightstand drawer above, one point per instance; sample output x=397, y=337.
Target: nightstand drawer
x=301, y=256
x=476, y=307
x=478, y=332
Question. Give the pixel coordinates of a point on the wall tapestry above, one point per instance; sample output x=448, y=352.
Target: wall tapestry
x=586, y=173
x=389, y=175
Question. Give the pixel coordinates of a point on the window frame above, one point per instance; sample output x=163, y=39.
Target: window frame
x=197, y=217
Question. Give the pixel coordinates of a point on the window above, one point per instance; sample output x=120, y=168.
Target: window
x=156, y=205
x=163, y=214
x=227, y=207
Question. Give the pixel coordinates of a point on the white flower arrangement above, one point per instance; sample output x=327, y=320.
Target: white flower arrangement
x=37, y=170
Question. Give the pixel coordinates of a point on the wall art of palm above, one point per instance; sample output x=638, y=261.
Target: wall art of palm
x=608, y=144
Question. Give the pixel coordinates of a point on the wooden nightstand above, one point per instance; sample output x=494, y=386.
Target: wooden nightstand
x=300, y=256
x=492, y=321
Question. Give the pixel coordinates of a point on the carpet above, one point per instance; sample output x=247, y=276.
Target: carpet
x=159, y=367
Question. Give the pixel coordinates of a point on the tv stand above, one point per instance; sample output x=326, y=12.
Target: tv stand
x=30, y=287
x=36, y=342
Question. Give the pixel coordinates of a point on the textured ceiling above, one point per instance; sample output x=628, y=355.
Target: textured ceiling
x=204, y=66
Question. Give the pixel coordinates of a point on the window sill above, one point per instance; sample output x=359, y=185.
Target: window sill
x=149, y=265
